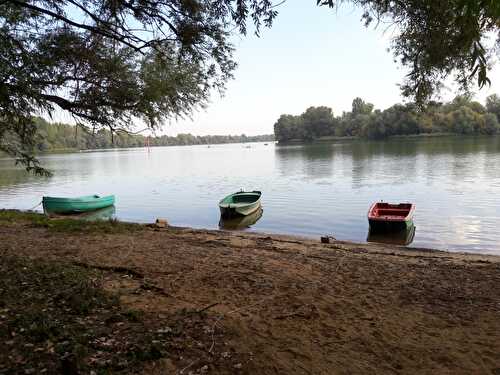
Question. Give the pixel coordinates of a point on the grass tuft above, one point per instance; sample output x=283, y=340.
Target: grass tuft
x=64, y=224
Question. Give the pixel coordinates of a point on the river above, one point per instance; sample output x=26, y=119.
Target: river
x=309, y=190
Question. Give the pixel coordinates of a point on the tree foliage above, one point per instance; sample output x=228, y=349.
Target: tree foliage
x=493, y=104
x=111, y=62
x=436, y=39
x=461, y=116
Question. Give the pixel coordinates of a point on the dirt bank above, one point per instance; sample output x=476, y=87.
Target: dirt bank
x=284, y=305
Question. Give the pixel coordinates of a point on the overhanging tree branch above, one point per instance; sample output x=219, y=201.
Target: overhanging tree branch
x=93, y=29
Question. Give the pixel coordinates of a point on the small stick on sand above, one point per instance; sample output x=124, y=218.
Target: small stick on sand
x=207, y=307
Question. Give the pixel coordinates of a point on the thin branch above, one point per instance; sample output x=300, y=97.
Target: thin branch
x=92, y=29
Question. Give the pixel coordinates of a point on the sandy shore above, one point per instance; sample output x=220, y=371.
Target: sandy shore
x=286, y=305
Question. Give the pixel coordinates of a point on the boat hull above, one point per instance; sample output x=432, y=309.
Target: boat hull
x=57, y=205
x=228, y=212
x=380, y=226
x=240, y=204
x=386, y=217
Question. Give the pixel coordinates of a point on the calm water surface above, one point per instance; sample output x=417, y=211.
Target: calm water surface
x=307, y=190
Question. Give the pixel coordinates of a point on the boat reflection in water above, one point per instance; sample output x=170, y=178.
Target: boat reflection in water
x=241, y=222
x=101, y=214
x=404, y=237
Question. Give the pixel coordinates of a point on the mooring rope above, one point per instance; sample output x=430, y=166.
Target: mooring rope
x=38, y=204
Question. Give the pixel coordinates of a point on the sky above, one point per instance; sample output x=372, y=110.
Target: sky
x=311, y=56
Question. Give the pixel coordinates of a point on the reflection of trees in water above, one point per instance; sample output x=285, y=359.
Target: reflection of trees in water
x=463, y=158
x=387, y=160
x=16, y=176
x=68, y=167
x=478, y=158
x=314, y=161
x=395, y=160
x=460, y=145
x=403, y=147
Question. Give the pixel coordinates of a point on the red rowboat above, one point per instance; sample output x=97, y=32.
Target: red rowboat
x=390, y=217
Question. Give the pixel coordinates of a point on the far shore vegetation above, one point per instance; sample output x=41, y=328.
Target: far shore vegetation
x=52, y=137
x=461, y=116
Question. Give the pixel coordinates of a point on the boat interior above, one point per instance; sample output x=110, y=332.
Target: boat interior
x=244, y=198
x=386, y=209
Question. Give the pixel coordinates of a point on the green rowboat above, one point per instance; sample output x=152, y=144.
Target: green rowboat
x=87, y=203
x=242, y=203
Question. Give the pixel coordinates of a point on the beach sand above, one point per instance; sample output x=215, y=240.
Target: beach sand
x=287, y=305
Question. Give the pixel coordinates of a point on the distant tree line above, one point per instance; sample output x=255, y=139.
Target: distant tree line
x=59, y=136
x=460, y=116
